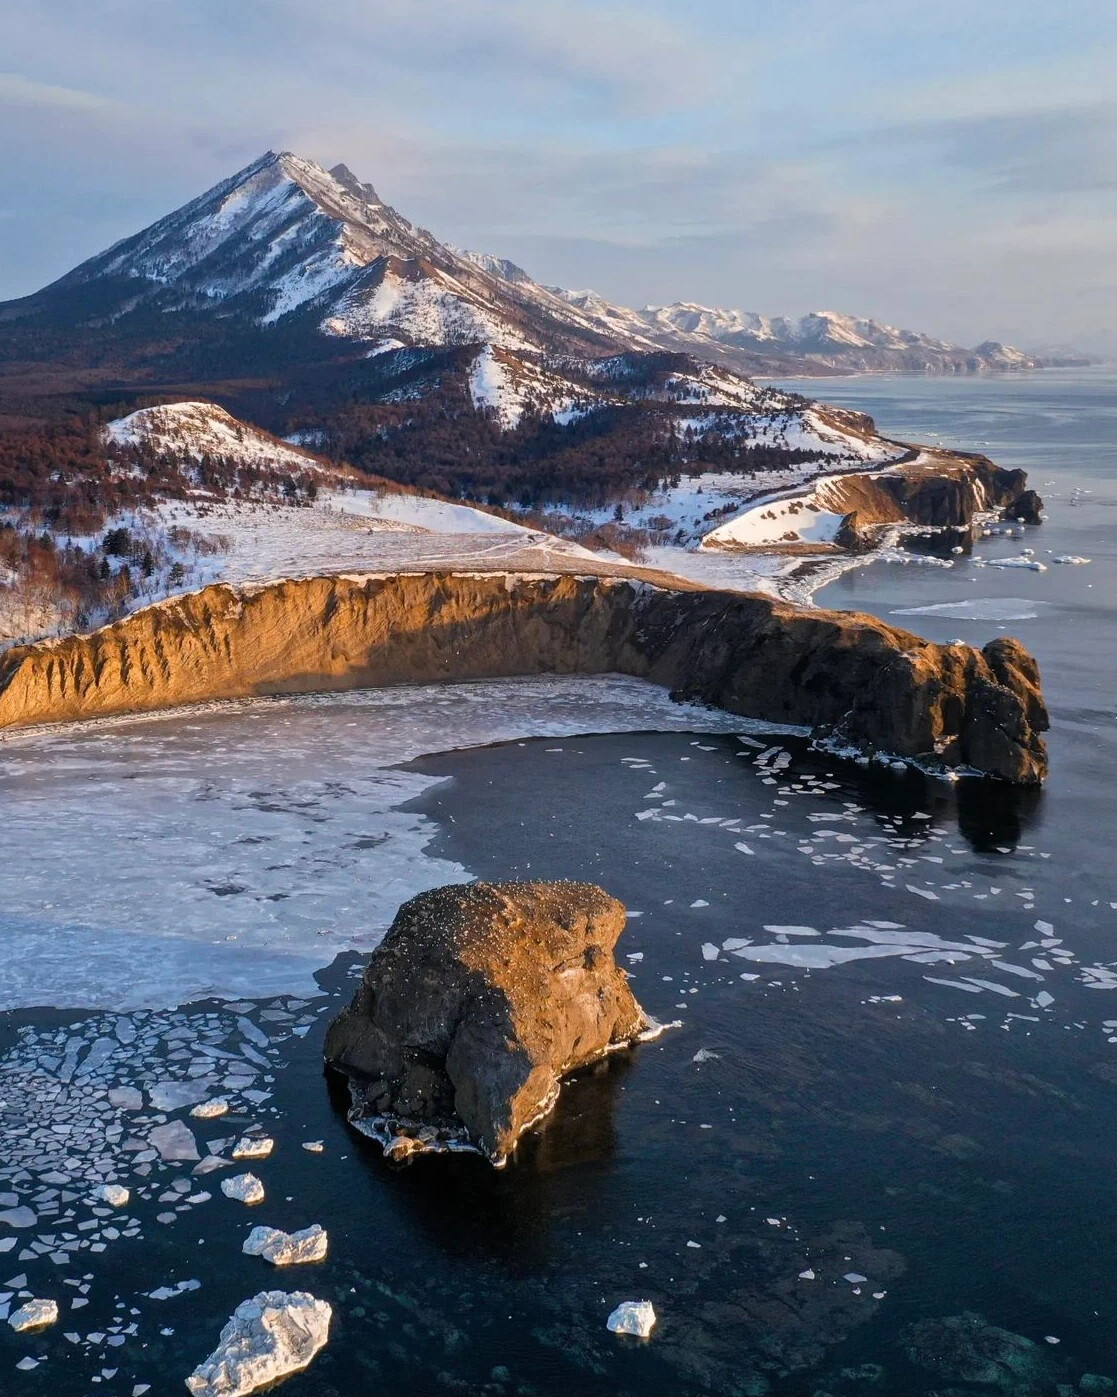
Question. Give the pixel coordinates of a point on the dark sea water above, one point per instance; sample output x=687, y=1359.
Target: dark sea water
x=876, y=1155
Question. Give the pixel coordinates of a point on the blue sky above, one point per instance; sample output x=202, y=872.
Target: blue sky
x=946, y=166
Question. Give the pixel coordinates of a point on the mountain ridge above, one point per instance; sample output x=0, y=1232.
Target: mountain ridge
x=285, y=240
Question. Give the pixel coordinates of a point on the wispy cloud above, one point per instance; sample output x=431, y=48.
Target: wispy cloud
x=19, y=91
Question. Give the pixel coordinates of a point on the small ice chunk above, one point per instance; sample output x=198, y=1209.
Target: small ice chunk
x=253, y=1147
x=244, y=1188
x=314, y=1146
x=34, y=1315
x=1045, y=1000
x=632, y=1317
x=854, y=1278
x=807, y=1275
x=287, y=1248
x=700, y=902
x=268, y=1337
x=209, y=1110
x=115, y=1195
x=710, y=951
x=126, y=1098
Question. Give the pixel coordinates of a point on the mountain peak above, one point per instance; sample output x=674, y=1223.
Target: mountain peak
x=349, y=181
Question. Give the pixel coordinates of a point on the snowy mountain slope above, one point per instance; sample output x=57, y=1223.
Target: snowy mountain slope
x=316, y=255
x=825, y=338
x=284, y=236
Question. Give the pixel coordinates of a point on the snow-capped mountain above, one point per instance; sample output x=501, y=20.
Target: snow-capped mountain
x=285, y=239
x=825, y=337
x=286, y=244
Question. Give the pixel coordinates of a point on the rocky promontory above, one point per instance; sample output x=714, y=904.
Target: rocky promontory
x=480, y=998
x=845, y=676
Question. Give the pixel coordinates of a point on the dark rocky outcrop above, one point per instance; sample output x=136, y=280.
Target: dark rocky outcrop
x=849, y=677
x=966, y=1348
x=478, y=1000
x=1026, y=508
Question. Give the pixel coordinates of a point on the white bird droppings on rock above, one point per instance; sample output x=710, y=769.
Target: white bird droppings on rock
x=632, y=1317
x=287, y=1248
x=34, y=1315
x=244, y=1188
x=268, y=1337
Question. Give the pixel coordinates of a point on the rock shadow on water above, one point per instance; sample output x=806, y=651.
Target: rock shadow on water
x=465, y=1208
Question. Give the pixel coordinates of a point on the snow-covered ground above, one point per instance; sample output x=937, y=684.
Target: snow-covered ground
x=511, y=386
x=350, y=531
x=192, y=430
x=434, y=309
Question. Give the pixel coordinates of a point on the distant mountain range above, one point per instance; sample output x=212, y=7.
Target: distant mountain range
x=319, y=260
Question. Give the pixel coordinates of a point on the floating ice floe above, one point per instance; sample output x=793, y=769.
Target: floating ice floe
x=244, y=1188
x=632, y=1317
x=267, y=1338
x=172, y=1096
x=1072, y=558
x=19, y=1217
x=168, y=1292
x=174, y=1141
x=253, y=1147
x=126, y=1098
x=1023, y=561
x=210, y=1110
x=977, y=609
x=34, y=1315
x=115, y=1195
x=287, y=1248
x=314, y=1146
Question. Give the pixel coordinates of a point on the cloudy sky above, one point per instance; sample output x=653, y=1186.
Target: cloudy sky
x=947, y=166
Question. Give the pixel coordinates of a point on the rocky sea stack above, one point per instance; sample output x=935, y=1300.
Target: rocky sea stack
x=476, y=1003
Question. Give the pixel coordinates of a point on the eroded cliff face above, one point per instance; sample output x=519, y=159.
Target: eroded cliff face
x=941, y=491
x=845, y=675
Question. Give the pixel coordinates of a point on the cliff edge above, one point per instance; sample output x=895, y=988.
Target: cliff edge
x=844, y=675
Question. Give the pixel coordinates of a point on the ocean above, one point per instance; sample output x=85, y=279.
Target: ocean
x=873, y=1156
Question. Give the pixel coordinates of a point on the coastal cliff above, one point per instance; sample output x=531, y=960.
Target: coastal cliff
x=846, y=676
x=937, y=490
x=933, y=490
